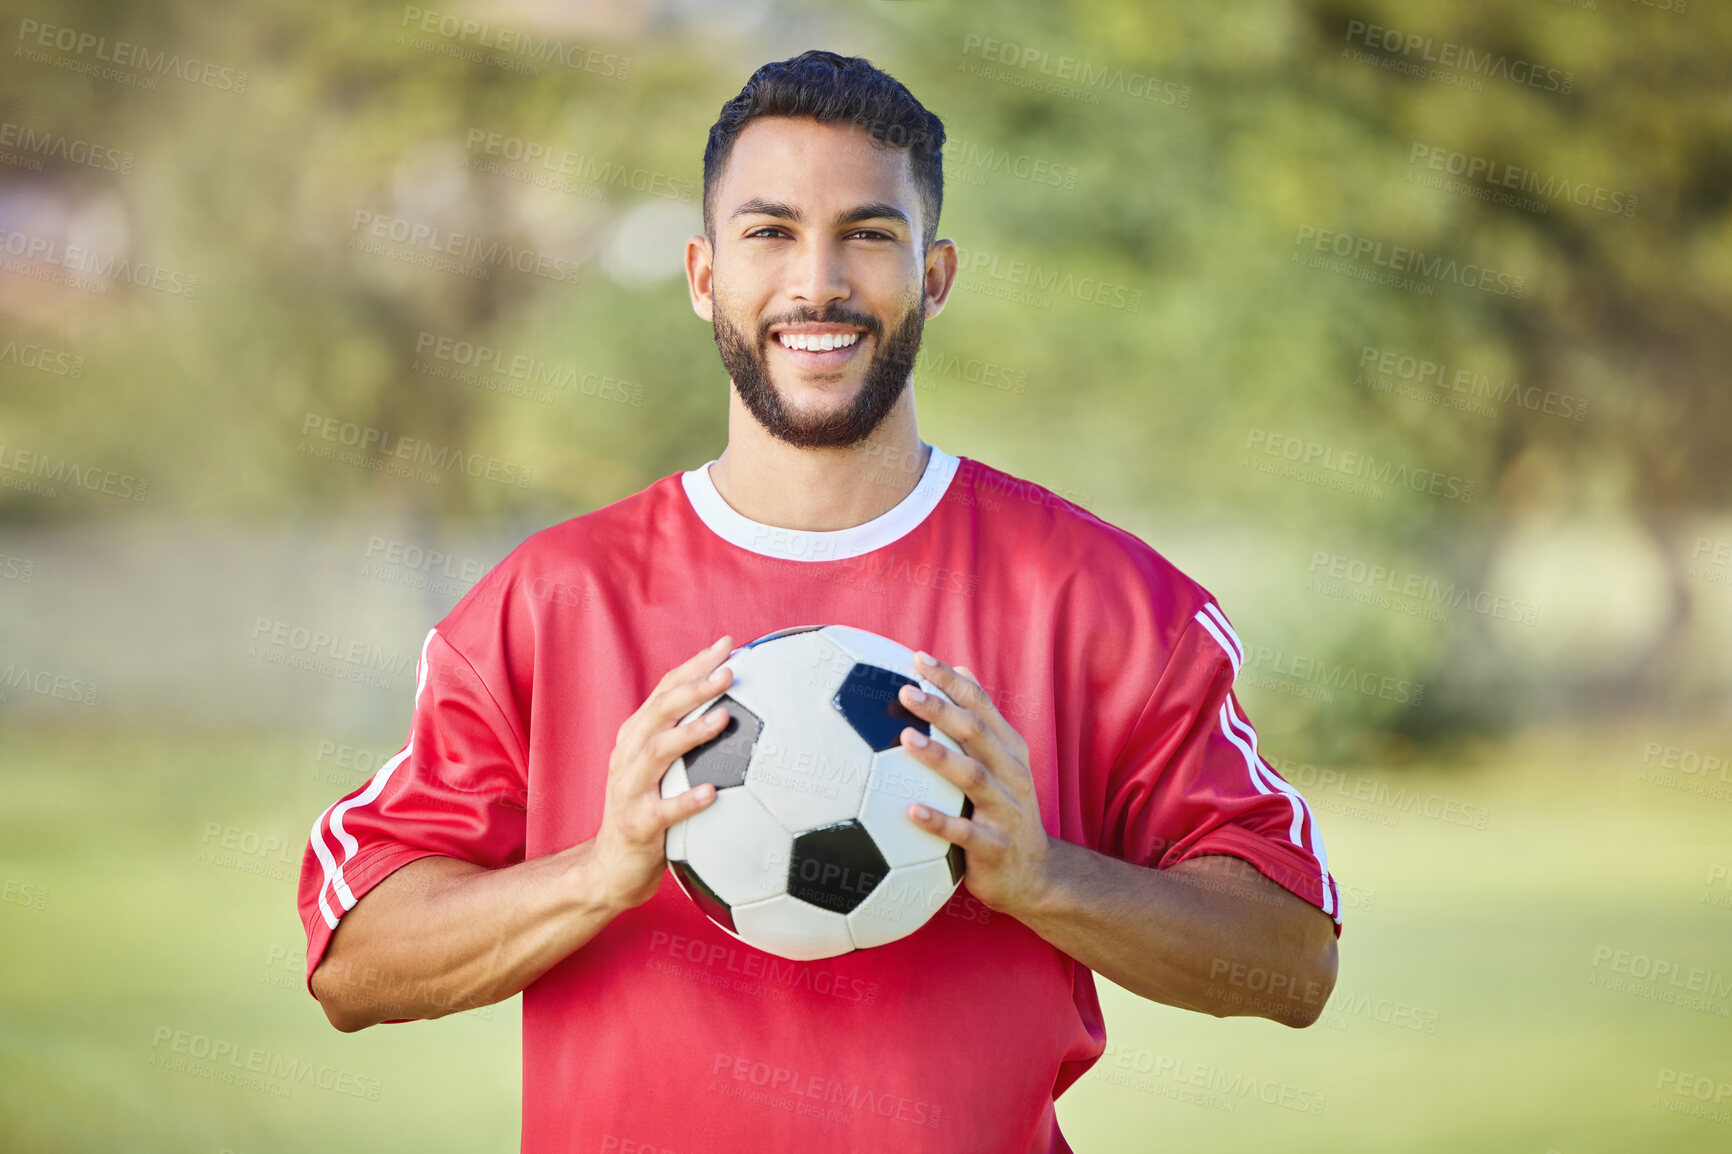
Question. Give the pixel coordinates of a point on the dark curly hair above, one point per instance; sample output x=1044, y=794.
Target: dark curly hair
x=825, y=87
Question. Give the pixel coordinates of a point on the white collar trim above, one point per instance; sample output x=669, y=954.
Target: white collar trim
x=829, y=545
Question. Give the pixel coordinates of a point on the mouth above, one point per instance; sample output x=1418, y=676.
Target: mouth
x=818, y=347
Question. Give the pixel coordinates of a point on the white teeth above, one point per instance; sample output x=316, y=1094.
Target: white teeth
x=817, y=343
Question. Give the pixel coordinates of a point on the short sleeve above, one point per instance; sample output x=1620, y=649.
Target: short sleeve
x=1190, y=780
x=457, y=789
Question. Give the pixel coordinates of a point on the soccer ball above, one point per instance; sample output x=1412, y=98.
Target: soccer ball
x=807, y=851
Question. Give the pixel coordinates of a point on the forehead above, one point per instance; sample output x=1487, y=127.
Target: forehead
x=820, y=167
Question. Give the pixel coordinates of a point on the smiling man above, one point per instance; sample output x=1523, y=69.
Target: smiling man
x=1123, y=821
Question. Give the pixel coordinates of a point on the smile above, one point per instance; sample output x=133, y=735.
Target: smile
x=817, y=342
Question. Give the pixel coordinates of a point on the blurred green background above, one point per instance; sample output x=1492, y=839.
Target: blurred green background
x=1403, y=328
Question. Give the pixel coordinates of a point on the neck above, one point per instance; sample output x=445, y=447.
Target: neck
x=818, y=490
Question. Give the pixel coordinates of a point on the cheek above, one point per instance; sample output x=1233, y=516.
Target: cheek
x=738, y=300
x=740, y=317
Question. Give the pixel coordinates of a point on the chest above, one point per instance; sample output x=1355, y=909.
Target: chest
x=578, y=703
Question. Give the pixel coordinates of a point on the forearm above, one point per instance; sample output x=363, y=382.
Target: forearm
x=1209, y=934
x=441, y=935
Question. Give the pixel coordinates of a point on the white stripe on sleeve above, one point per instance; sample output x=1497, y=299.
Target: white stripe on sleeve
x=1303, y=832
x=1214, y=610
x=1314, y=840
x=1208, y=623
x=332, y=818
x=329, y=864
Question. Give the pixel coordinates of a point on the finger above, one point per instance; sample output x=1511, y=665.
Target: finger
x=669, y=705
x=961, y=724
x=647, y=820
x=698, y=663
x=672, y=700
x=667, y=745
x=670, y=810
x=966, y=773
x=955, y=830
x=962, y=687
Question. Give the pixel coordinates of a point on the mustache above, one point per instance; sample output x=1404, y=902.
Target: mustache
x=833, y=315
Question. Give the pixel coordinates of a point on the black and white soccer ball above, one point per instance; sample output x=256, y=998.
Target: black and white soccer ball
x=807, y=851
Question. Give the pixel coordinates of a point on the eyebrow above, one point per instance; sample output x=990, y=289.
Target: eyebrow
x=876, y=210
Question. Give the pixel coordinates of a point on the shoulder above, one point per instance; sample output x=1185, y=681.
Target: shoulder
x=561, y=564
x=1071, y=547
x=616, y=526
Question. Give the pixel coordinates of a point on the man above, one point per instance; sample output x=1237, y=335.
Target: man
x=1123, y=821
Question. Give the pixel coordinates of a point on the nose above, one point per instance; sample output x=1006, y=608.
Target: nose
x=817, y=277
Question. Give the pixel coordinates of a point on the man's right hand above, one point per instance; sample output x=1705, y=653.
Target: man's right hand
x=630, y=845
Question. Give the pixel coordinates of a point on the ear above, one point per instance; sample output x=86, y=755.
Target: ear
x=941, y=266
x=700, y=264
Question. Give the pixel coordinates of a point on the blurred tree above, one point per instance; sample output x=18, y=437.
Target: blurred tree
x=1131, y=185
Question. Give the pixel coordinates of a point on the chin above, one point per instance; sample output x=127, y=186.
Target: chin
x=803, y=392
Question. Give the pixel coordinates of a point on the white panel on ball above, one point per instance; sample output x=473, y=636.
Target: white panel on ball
x=897, y=781
x=674, y=783
x=739, y=850
x=901, y=903
x=765, y=672
x=791, y=928
x=873, y=649
x=809, y=767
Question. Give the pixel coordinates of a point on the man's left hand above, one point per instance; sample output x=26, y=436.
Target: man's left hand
x=1006, y=844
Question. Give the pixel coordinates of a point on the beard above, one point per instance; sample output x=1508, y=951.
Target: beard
x=747, y=363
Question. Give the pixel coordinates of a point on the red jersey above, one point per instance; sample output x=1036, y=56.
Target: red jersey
x=663, y=1031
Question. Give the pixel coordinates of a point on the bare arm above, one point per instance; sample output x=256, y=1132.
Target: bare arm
x=1211, y=934
x=441, y=935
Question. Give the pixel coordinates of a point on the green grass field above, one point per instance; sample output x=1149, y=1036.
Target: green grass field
x=1470, y=1015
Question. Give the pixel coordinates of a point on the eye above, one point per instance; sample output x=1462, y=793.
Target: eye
x=766, y=230
x=871, y=234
